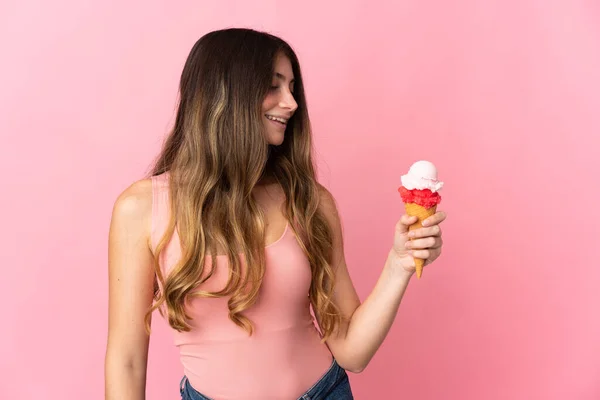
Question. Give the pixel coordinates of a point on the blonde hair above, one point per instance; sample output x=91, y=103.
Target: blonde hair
x=215, y=155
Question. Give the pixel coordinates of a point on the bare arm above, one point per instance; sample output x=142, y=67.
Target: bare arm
x=131, y=278
x=369, y=323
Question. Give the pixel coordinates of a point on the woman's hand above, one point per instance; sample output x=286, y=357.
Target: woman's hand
x=426, y=242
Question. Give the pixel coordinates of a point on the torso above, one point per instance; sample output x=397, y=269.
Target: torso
x=284, y=356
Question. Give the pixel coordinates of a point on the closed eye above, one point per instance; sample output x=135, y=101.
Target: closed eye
x=273, y=88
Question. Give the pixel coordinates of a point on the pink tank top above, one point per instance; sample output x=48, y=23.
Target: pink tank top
x=283, y=358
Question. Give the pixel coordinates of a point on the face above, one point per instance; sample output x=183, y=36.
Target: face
x=279, y=104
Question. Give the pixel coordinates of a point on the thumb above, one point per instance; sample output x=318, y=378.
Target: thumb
x=405, y=222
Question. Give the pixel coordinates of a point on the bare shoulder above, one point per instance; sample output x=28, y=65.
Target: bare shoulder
x=328, y=203
x=133, y=208
x=135, y=197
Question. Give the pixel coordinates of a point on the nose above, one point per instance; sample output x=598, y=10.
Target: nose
x=287, y=101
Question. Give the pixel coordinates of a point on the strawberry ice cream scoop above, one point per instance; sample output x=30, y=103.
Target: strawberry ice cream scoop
x=423, y=197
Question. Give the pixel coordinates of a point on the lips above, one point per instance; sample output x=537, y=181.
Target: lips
x=274, y=118
x=278, y=122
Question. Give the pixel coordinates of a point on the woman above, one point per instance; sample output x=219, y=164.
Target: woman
x=234, y=241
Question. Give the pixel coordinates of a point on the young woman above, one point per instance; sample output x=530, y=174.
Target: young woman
x=235, y=242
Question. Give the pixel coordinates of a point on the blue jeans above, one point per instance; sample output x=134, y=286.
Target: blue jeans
x=334, y=385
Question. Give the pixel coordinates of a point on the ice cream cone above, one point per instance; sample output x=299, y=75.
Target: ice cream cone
x=421, y=213
x=419, y=193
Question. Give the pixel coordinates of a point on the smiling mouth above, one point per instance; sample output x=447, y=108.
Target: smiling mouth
x=281, y=121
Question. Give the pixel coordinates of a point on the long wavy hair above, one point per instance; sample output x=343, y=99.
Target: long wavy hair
x=216, y=154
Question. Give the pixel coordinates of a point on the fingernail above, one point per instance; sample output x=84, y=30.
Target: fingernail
x=425, y=223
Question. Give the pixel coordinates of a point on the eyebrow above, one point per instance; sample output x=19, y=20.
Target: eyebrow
x=281, y=76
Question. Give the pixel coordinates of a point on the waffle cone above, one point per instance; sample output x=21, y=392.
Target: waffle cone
x=421, y=213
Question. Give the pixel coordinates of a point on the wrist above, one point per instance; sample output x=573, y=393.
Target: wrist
x=395, y=264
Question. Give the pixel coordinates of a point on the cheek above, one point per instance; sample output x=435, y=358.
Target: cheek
x=268, y=132
x=268, y=103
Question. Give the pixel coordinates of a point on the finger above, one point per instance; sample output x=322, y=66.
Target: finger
x=435, y=219
x=431, y=243
x=424, y=243
x=433, y=255
x=405, y=222
x=425, y=232
x=430, y=260
x=408, y=220
x=422, y=254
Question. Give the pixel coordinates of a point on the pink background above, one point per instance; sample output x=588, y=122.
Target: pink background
x=510, y=311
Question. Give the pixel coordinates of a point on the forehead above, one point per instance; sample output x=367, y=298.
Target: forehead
x=283, y=68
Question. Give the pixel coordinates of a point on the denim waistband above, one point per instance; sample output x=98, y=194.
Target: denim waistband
x=334, y=384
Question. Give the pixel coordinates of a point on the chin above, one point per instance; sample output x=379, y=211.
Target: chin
x=276, y=140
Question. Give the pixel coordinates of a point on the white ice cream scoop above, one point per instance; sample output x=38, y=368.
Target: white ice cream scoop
x=422, y=175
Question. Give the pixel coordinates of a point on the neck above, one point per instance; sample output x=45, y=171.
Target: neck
x=266, y=180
